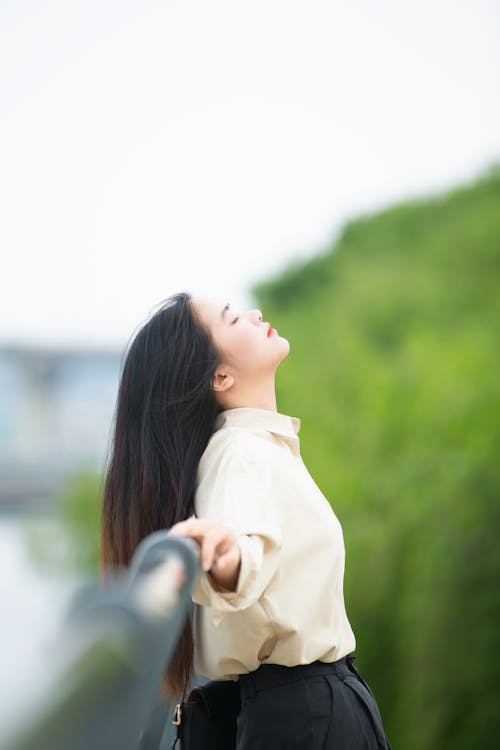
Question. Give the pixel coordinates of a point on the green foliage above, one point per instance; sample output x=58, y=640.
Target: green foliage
x=394, y=372
x=81, y=515
x=67, y=542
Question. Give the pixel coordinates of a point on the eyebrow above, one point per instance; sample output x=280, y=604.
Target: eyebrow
x=226, y=307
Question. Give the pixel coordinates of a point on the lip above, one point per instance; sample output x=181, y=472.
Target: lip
x=270, y=331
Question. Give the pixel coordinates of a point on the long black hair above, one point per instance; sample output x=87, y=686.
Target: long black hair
x=165, y=414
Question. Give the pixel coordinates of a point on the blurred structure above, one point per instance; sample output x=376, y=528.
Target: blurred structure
x=56, y=408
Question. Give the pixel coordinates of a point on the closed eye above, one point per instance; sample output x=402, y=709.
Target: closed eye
x=234, y=321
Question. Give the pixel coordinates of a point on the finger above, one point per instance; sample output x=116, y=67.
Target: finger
x=227, y=555
x=178, y=529
x=192, y=527
x=228, y=543
x=209, y=545
x=225, y=543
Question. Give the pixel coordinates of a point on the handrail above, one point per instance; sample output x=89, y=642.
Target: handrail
x=115, y=643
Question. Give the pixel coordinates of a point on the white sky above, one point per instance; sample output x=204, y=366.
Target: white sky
x=150, y=147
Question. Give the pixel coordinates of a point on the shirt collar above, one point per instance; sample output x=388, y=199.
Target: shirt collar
x=258, y=420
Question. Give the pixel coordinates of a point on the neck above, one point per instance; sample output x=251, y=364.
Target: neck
x=256, y=396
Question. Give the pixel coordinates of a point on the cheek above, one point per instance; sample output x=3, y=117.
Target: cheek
x=245, y=347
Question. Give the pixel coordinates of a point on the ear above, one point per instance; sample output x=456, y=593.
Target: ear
x=222, y=381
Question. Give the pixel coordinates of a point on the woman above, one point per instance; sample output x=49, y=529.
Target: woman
x=200, y=448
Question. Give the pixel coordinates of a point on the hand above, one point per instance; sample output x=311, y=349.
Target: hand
x=219, y=549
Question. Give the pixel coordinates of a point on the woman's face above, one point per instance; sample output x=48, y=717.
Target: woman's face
x=244, y=340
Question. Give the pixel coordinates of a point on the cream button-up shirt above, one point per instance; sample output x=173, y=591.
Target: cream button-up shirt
x=288, y=607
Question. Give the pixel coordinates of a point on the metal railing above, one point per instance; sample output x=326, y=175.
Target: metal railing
x=103, y=684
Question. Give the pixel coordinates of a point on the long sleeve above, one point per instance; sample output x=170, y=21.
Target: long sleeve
x=288, y=607
x=238, y=492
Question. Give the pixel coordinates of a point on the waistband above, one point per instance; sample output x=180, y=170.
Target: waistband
x=274, y=675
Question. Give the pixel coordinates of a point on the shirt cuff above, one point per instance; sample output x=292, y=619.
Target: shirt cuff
x=255, y=569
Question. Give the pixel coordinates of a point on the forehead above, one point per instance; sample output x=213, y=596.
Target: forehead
x=209, y=310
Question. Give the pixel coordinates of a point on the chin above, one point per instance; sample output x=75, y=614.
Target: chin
x=285, y=348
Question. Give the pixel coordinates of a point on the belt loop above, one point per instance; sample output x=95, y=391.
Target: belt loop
x=350, y=663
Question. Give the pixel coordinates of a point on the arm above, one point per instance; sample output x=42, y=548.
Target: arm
x=240, y=496
x=220, y=550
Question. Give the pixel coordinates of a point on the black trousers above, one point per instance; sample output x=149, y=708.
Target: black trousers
x=314, y=706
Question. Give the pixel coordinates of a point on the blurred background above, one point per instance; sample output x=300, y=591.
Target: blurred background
x=335, y=164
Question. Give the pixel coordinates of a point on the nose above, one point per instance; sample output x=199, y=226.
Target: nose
x=258, y=315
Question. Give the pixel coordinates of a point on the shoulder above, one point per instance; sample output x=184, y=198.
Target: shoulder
x=236, y=469
x=236, y=446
